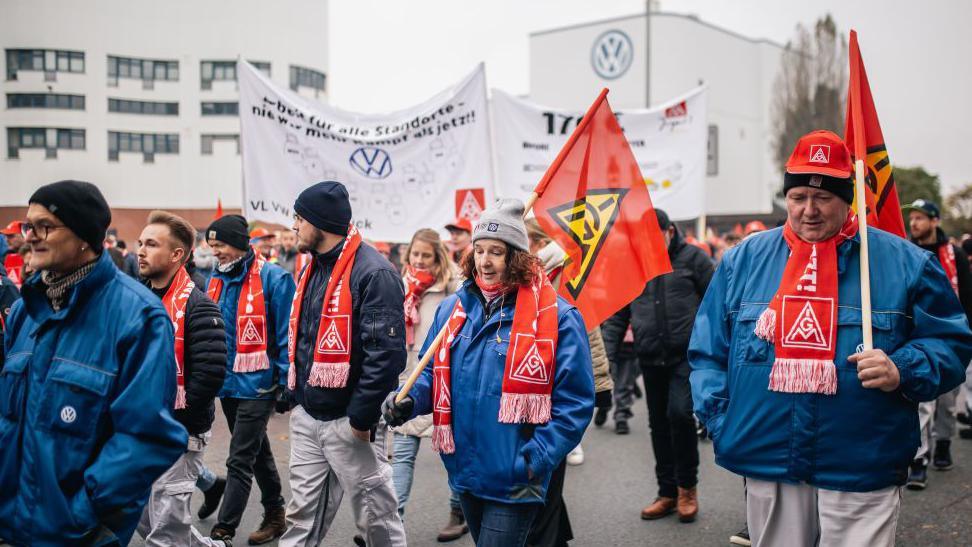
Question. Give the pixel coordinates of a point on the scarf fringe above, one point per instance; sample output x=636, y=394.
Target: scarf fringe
x=804, y=376
x=251, y=362
x=329, y=374
x=292, y=377
x=516, y=408
x=766, y=325
x=442, y=440
x=180, y=401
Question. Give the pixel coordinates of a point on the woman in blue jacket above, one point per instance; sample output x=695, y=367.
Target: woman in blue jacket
x=510, y=389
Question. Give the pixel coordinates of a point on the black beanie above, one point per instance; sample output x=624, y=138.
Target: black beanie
x=231, y=230
x=326, y=206
x=842, y=188
x=663, y=221
x=80, y=206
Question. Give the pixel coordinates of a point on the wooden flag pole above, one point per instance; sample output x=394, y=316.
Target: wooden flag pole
x=434, y=346
x=865, y=263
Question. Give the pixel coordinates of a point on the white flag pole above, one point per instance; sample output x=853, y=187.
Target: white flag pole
x=865, y=263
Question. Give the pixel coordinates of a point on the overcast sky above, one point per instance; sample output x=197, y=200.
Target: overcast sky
x=389, y=54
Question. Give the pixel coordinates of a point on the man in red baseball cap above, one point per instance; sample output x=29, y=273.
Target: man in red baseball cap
x=460, y=232
x=816, y=423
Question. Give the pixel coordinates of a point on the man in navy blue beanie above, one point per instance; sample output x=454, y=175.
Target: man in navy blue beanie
x=347, y=349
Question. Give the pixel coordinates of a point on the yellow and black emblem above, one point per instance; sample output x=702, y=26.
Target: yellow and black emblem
x=588, y=221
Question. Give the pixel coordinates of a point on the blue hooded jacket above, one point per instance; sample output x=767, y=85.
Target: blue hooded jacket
x=85, y=409
x=859, y=439
x=278, y=294
x=491, y=458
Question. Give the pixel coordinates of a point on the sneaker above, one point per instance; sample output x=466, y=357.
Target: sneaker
x=576, y=456
x=359, y=541
x=918, y=478
x=741, y=537
x=621, y=427
x=965, y=433
x=943, y=455
x=601, y=416
x=211, y=498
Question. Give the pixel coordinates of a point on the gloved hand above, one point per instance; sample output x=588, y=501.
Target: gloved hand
x=284, y=402
x=397, y=413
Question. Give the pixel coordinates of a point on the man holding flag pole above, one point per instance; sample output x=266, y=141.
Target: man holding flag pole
x=511, y=357
x=806, y=374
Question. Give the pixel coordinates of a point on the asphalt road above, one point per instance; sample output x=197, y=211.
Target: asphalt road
x=605, y=496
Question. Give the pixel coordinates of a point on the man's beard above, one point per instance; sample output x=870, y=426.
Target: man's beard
x=316, y=238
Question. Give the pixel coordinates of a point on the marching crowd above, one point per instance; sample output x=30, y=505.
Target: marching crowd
x=113, y=361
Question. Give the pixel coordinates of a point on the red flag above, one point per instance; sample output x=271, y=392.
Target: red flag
x=219, y=208
x=865, y=141
x=593, y=201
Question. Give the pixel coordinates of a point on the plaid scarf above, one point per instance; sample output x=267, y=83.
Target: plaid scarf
x=801, y=319
x=528, y=372
x=57, y=286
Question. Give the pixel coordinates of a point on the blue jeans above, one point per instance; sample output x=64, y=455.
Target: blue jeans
x=495, y=524
x=206, y=479
x=403, y=468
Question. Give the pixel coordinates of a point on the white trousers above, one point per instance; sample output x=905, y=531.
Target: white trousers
x=326, y=460
x=799, y=515
x=167, y=519
x=937, y=421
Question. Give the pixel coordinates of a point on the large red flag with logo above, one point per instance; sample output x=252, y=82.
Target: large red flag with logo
x=594, y=203
x=865, y=141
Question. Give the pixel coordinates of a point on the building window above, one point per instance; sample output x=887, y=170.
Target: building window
x=208, y=140
x=47, y=60
x=126, y=106
x=220, y=108
x=148, y=144
x=45, y=100
x=305, y=77
x=210, y=71
x=50, y=139
x=141, y=69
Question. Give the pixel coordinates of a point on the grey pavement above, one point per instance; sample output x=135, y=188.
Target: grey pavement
x=605, y=496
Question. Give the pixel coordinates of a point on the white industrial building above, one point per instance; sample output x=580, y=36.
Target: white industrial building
x=650, y=59
x=141, y=97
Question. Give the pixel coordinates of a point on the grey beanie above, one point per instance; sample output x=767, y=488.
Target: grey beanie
x=503, y=221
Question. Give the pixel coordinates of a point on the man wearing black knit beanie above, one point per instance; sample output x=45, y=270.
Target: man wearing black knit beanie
x=88, y=384
x=348, y=348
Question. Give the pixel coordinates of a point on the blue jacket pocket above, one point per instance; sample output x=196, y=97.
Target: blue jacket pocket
x=75, y=397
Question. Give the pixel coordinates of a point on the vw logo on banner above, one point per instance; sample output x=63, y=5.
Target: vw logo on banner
x=612, y=54
x=371, y=162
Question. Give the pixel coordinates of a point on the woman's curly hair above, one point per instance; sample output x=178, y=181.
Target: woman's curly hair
x=522, y=267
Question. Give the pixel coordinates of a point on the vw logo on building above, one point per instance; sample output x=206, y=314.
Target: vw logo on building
x=371, y=162
x=612, y=54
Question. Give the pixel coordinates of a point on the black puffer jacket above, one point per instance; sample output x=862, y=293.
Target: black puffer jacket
x=377, y=339
x=663, y=315
x=205, y=361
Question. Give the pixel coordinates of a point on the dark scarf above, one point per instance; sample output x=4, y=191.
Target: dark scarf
x=59, y=285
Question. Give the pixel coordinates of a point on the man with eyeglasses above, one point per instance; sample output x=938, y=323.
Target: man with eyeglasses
x=87, y=387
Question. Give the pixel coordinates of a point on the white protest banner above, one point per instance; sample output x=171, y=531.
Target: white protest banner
x=669, y=142
x=402, y=170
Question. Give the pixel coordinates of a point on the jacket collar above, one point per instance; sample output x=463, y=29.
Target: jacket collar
x=39, y=309
x=239, y=270
x=330, y=257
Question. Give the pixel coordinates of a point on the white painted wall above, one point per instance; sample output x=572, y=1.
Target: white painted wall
x=739, y=73
x=189, y=31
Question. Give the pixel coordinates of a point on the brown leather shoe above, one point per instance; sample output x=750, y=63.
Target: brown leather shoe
x=661, y=507
x=688, y=504
x=456, y=527
x=273, y=526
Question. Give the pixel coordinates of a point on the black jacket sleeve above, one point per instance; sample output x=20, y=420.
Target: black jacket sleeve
x=964, y=281
x=613, y=330
x=8, y=295
x=383, y=342
x=205, y=352
x=703, y=269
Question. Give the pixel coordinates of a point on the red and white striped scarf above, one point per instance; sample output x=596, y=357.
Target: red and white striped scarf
x=416, y=283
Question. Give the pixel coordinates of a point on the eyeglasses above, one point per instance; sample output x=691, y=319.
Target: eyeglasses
x=40, y=230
